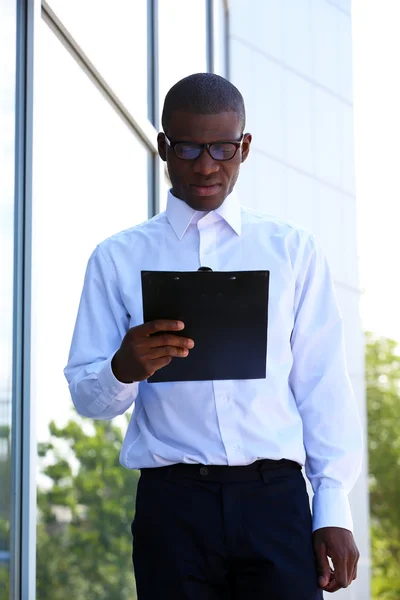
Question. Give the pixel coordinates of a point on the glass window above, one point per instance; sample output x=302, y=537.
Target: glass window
x=7, y=133
x=114, y=37
x=90, y=181
x=182, y=41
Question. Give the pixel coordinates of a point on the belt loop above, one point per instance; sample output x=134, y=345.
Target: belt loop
x=262, y=472
x=264, y=476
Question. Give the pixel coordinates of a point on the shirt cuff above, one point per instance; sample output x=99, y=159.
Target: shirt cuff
x=112, y=387
x=331, y=508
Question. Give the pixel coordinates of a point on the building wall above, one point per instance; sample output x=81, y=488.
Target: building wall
x=292, y=60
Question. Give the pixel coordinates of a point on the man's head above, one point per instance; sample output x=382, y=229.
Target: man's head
x=203, y=109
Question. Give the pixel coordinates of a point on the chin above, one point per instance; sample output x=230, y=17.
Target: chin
x=205, y=202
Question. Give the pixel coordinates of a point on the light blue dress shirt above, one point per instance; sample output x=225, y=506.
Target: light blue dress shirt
x=304, y=410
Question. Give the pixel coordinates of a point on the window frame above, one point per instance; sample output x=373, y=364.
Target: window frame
x=23, y=443
x=23, y=435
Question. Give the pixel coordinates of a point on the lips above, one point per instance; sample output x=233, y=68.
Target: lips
x=205, y=190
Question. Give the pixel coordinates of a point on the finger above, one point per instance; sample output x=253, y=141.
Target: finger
x=155, y=365
x=357, y=558
x=161, y=325
x=166, y=339
x=323, y=567
x=343, y=570
x=163, y=351
x=333, y=586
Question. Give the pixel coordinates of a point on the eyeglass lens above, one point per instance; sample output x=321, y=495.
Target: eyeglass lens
x=222, y=151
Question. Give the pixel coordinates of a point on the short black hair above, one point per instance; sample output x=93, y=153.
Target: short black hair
x=203, y=94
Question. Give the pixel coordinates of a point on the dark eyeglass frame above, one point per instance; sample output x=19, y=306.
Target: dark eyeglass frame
x=202, y=147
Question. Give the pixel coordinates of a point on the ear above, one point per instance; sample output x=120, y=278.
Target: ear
x=246, y=146
x=162, y=146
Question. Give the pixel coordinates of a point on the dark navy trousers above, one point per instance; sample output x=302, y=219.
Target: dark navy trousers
x=224, y=533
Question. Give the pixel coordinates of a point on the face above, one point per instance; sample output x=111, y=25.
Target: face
x=203, y=183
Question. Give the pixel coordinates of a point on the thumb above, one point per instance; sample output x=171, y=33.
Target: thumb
x=323, y=567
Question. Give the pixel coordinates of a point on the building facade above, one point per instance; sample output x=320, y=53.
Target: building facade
x=81, y=92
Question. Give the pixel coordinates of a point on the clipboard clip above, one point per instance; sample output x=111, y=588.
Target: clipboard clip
x=208, y=269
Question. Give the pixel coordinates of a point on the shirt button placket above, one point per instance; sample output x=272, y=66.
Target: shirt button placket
x=226, y=420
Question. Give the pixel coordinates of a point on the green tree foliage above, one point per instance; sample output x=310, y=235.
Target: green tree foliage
x=4, y=581
x=85, y=511
x=383, y=394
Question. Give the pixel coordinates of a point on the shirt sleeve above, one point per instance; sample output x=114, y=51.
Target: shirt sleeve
x=323, y=392
x=101, y=324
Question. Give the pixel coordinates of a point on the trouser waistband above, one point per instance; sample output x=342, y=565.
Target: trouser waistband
x=221, y=473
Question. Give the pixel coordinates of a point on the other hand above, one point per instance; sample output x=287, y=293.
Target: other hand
x=339, y=545
x=141, y=353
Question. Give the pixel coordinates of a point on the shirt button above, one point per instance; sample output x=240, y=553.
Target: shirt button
x=203, y=471
x=236, y=447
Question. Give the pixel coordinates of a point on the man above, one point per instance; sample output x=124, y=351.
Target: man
x=222, y=510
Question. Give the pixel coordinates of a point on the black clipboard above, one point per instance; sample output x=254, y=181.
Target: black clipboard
x=225, y=313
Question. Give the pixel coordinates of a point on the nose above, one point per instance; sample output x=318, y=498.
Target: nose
x=205, y=164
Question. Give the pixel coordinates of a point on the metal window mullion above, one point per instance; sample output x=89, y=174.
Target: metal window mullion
x=210, y=35
x=227, y=41
x=152, y=58
x=23, y=442
x=154, y=170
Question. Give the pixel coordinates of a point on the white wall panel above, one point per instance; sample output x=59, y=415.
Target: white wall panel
x=297, y=32
x=262, y=185
x=327, y=130
x=300, y=199
x=305, y=121
x=345, y=57
x=328, y=226
x=326, y=42
x=241, y=56
x=270, y=184
x=347, y=149
x=350, y=270
x=298, y=122
x=268, y=104
x=259, y=22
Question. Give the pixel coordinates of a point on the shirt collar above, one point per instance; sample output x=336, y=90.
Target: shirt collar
x=180, y=215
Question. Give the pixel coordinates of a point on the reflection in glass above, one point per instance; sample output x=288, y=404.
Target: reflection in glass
x=7, y=129
x=114, y=37
x=90, y=181
x=182, y=41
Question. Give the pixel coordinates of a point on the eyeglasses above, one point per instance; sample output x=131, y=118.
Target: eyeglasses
x=217, y=150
